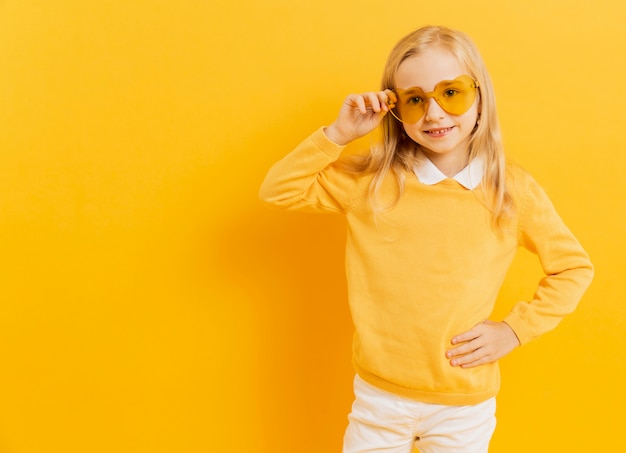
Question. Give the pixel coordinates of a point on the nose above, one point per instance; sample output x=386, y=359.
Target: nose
x=433, y=110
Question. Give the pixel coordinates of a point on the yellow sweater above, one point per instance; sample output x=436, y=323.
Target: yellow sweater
x=431, y=268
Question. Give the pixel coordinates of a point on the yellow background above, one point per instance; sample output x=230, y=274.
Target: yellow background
x=148, y=303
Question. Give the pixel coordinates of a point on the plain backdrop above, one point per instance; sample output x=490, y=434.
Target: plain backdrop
x=149, y=303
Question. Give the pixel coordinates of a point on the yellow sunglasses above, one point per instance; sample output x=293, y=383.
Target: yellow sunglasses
x=453, y=96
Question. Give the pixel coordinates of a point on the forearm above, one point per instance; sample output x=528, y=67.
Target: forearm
x=556, y=296
x=298, y=180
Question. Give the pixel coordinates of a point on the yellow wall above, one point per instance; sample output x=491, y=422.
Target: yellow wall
x=148, y=303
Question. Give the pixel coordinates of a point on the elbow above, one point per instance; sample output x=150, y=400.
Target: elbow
x=268, y=196
x=591, y=272
x=585, y=274
x=271, y=197
x=587, y=271
x=263, y=194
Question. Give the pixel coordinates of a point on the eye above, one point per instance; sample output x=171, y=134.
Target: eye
x=415, y=100
x=450, y=92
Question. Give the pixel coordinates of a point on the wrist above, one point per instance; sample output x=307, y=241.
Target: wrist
x=336, y=136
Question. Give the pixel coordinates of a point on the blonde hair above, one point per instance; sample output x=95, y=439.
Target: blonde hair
x=397, y=152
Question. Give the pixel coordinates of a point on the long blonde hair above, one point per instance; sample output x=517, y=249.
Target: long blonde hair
x=397, y=152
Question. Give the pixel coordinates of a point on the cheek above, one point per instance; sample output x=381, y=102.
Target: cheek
x=413, y=131
x=473, y=117
x=477, y=108
x=469, y=119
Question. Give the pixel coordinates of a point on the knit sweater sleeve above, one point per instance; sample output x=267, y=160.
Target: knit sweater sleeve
x=307, y=180
x=567, y=267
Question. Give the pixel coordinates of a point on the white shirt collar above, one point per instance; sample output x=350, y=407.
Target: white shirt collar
x=427, y=173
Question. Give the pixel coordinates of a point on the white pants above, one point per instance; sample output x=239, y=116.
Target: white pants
x=383, y=422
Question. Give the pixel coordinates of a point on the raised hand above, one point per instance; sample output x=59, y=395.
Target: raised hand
x=359, y=115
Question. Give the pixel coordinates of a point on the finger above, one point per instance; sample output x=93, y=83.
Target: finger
x=477, y=356
x=465, y=337
x=360, y=103
x=473, y=333
x=479, y=362
x=373, y=102
x=383, y=100
x=390, y=98
x=464, y=349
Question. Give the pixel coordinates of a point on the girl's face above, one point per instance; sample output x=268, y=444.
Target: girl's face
x=444, y=137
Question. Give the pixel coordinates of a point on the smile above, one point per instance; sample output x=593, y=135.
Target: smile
x=438, y=132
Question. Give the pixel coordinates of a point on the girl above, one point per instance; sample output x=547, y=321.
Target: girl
x=434, y=219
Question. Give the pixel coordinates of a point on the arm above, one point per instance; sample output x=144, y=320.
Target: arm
x=567, y=267
x=305, y=178
x=568, y=274
x=302, y=179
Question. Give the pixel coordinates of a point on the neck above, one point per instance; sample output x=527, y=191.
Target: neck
x=448, y=163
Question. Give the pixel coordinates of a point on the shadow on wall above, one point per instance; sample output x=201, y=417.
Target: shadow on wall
x=290, y=266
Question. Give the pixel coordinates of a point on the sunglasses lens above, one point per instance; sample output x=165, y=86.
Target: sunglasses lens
x=454, y=96
x=410, y=105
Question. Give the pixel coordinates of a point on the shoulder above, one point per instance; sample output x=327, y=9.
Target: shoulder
x=516, y=174
x=519, y=181
x=531, y=200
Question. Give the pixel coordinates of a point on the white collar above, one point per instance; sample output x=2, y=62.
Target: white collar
x=427, y=173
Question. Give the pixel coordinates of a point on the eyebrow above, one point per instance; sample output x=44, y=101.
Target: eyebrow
x=411, y=90
x=420, y=89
